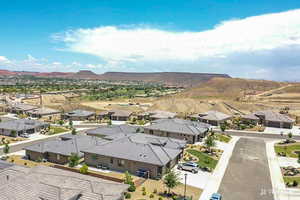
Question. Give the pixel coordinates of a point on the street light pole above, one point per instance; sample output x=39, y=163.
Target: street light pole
x=185, y=177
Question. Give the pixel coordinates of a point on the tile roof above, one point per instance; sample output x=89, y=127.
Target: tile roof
x=159, y=114
x=41, y=182
x=73, y=144
x=21, y=124
x=112, y=130
x=127, y=149
x=44, y=111
x=79, y=113
x=271, y=115
x=250, y=116
x=179, y=126
x=214, y=115
x=22, y=106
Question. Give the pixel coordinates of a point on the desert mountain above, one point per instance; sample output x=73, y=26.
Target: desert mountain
x=169, y=78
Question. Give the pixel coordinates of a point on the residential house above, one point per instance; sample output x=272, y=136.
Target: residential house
x=116, y=115
x=45, y=113
x=20, y=108
x=250, y=118
x=187, y=130
x=49, y=183
x=135, y=153
x=272, y=118
x=59, y=150
x=20, y=126
x=155, y=115
x=110, y=130
x=212, y=117
x=79, y=115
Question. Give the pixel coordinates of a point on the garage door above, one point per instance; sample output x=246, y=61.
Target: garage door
x=274, y=124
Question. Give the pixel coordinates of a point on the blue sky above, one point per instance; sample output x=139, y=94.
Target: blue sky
x=244, y=38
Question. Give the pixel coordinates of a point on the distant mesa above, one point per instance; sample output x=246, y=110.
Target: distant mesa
x=183, y=79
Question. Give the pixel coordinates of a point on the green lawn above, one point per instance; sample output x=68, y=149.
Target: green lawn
x=223, y=138
x=289, y=149
x=291, y=179
x=204, y=159
x=57, y=130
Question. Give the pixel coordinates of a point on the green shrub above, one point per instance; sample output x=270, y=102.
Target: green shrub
x=131, y=188
x=84, y=169
x=151, y=196
x=155, y=191
x=127, y=196
x=160, y=198
x=144, y=193
x=143, y=189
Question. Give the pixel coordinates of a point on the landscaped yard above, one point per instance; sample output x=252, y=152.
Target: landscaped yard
x=223, y=138
x=157, y=189
x=288, y=179
x=204, y=160
x=57, y=129
x=10, y=140
x=289, y=149
x=16, y=159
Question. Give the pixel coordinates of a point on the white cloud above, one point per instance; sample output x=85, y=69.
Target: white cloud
x=4, y=60
x=138, y=44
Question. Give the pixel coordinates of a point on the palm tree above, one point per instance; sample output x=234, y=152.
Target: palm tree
x=74, y=160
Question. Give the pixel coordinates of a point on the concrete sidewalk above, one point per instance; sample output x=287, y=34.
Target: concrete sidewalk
x=279, y=189
x=215, y=179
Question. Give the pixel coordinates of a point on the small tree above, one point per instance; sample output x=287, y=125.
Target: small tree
x=128, y=180
x=299, y=157
x=171, y=180
x=71, y=123
x=290, y=135
x=84, y=169
x=6, y=148
x=74, y=132
x=61, y=122
x=223, y=127
x=74, y=160
x=13, y=133
x=210, y=142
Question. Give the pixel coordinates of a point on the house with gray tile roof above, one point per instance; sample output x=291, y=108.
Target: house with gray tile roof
x=79, y=115
x=43, y=112
x=48, y=183
x=19, y=126
x=181, y=129
x=134, y=154
x=20, y=108
x=212, y=117
x=110, y=130
x=116, y=115
x=274, y=119
x=60, y=150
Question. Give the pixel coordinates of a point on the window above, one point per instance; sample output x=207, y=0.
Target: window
x=151, y=132
x=58, y=157
x=121, y=163
x=111, y=161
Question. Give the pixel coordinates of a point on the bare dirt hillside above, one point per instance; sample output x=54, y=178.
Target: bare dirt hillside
x=230, y=88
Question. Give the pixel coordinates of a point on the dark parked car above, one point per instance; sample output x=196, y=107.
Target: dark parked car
x=216, y=196
x=142, y=173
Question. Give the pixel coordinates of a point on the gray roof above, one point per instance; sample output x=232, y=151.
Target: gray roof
x=44, y=111
x=4, y=164
x=127, y=149
x=160, y=114
x=21, y=124
x=180, y=126
x=112, y=130
x=73, y=144
x=121, y=113
x=41, y=182
x=271, y=115
x=250, y=116
x=22, y=106
x=79, y=113
x=214, y=115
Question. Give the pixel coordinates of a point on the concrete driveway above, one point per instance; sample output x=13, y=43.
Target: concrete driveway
x=247, y=175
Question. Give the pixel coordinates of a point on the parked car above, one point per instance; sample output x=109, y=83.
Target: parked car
x=101, y=166
x=216, y=196
x=189, y=166
x=24, y=135
x=142, y=173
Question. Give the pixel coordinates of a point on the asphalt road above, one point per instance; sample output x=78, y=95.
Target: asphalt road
x=19, y=147
x=247, y=175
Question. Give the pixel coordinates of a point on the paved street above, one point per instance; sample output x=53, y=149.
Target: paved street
x=247, y=175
